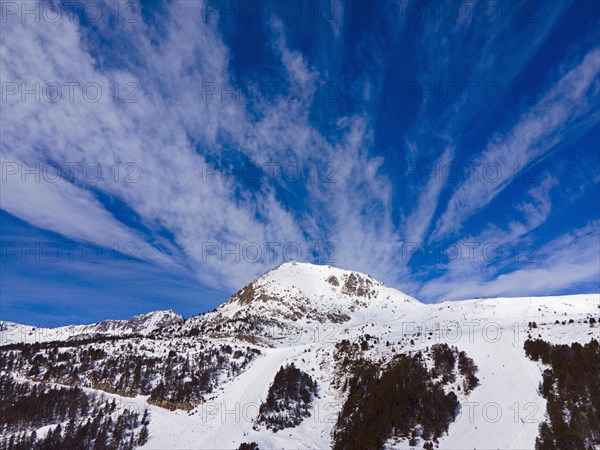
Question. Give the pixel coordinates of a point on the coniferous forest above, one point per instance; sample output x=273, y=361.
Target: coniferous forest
x=403, y=400
x=289, y=399
x=571, y=386
x=70, y=417
x=175, y=377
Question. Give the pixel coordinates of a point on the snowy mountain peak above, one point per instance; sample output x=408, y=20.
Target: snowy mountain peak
x=302, y=284
x=313, y=279
x=290, y=297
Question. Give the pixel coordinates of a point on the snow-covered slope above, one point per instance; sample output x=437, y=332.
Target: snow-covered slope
x=504, y=411
x=143, y=324
x=300, y=313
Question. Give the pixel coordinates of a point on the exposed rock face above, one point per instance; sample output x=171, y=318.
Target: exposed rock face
x=359, y=286
x=332, y=280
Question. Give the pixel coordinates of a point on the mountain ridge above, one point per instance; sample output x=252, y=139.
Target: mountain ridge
x=285, y=361
x=11, y=332
x=298, y=292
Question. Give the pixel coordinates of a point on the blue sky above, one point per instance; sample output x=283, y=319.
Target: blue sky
x=162, y=155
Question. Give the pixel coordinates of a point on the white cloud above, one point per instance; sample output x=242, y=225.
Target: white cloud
x=175, y=128
x=569, y=260
x=565, y=106
x=419, y=221
x=64, y=208
x=160, y=134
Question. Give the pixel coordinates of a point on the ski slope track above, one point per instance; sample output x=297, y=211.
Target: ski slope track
x=297, y=313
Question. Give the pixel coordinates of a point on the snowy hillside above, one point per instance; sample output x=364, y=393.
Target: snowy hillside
x=328, y=334
x=11, y=332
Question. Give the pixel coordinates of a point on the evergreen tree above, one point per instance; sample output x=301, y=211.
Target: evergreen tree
x=143, y=437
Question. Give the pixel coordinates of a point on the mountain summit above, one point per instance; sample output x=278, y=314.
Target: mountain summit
x=291, y=297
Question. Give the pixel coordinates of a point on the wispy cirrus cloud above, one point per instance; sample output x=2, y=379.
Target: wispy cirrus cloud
x=172, y=132
x=571, y=259
x=419, y=221
x=507, y=260
x=156, y=133
x=328, y=182
x=569, y=104
x=462, y=78
x=69, y=210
